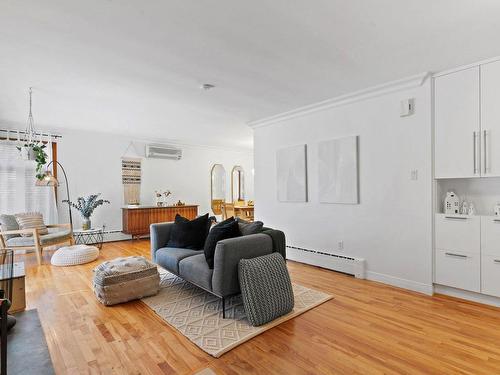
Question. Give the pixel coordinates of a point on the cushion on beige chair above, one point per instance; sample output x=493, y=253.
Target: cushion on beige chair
x=125, y=279
x=31, y=220
x=54, y=236
x=8, y=223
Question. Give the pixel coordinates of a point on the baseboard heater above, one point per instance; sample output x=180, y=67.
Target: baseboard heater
x=335, y=262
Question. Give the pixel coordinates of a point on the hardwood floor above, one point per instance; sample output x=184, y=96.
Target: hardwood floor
x=368, y=328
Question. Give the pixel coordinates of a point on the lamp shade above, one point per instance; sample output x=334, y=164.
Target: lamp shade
x=47, y=180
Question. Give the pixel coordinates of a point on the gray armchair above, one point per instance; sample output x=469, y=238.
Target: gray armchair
x=191, y=265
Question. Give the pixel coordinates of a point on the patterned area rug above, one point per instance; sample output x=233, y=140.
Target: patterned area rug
x=198, y=315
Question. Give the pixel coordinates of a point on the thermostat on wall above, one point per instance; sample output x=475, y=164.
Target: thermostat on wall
x=407, y=107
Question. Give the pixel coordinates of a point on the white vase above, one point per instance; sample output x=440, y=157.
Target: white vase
x=27, y=153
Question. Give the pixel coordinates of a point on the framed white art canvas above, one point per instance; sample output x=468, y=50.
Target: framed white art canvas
x=338, y=171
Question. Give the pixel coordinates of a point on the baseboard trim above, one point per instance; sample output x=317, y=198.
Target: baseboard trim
x=415, y=286
x=401, y=283
x=464, y=294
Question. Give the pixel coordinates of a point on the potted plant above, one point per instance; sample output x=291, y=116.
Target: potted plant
x=86, y=206
x=36, y=152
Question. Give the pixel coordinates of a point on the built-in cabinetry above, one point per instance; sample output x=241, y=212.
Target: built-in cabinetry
x=468, y=253
x=466, y=161
x=467, y=122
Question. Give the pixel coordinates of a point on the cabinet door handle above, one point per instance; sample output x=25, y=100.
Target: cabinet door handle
x=496, y=220
x=456, y=255
x=496, y=260
x=485, y=154
x=474, y=135
x=456, y=217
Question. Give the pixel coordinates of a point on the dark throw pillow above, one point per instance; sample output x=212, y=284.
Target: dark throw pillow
x=226, y=229
x=249, y=227
x=189, y=234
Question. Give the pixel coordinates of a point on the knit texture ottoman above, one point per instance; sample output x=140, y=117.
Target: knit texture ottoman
x=74, y=255
x=266, y=288
x=125, y=279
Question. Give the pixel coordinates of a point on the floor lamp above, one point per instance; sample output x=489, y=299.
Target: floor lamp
x=49, y=180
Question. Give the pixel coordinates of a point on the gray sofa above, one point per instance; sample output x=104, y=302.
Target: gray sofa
x=191, y=265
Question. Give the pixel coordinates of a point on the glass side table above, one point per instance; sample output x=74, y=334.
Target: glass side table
x=94, y=236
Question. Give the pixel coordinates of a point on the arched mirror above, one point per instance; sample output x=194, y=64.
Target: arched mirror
x=217, y=188
x=237, y=184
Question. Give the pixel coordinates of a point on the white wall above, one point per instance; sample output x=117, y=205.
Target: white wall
x=93, y=164
x=391, y=228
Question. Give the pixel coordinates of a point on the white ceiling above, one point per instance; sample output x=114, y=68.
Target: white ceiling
x=135, y=67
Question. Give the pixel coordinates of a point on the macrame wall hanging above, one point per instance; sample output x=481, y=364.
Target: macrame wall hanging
x=131, y=178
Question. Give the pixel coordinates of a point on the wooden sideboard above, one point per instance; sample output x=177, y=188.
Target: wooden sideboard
x=136, y=220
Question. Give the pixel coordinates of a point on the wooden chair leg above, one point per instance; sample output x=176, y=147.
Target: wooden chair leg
x=38, y=251
x=72, y=241
x=38, y=246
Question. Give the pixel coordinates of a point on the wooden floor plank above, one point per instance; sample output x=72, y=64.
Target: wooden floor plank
x=368, y=328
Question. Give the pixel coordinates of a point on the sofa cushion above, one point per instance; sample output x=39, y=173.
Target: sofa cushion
x=189, y=234
x=195, y=269
x=8, y=222
x=249, y=227
x=169, y=257
x=31, y=220
x=46, y=239
x=226, y=229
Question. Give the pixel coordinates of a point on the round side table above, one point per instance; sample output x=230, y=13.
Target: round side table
x=94, y=236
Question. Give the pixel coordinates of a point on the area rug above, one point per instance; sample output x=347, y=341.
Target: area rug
x=198, y=314
x=27, y=351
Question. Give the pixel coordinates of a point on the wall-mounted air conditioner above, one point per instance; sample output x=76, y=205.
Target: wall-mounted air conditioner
x=163, y=152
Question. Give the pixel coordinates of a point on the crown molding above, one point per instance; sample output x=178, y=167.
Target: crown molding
x=67, y=133
x=401, y=84
x=464, y=67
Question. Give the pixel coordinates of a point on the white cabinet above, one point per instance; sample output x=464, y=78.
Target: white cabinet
x=460, y=233
x=490, y=235
x=458, y=269
x=467, y=254
x=457, y=126
x=490, y=119
x=490, y=275
x=490, y=255
x=458, y=251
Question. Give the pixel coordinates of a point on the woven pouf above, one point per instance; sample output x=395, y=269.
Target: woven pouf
x=125, y=279
x=73, y=255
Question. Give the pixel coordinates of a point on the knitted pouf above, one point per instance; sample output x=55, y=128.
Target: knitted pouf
x=73, y=255
x=125, y=279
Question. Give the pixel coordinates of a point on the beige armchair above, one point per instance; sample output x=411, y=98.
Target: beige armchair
x=58, y=234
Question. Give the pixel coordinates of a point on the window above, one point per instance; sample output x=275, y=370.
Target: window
x=18, y=192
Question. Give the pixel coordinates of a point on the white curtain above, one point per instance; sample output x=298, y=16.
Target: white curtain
x=18, y=192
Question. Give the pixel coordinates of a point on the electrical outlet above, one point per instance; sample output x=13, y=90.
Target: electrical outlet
x=340, y=245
